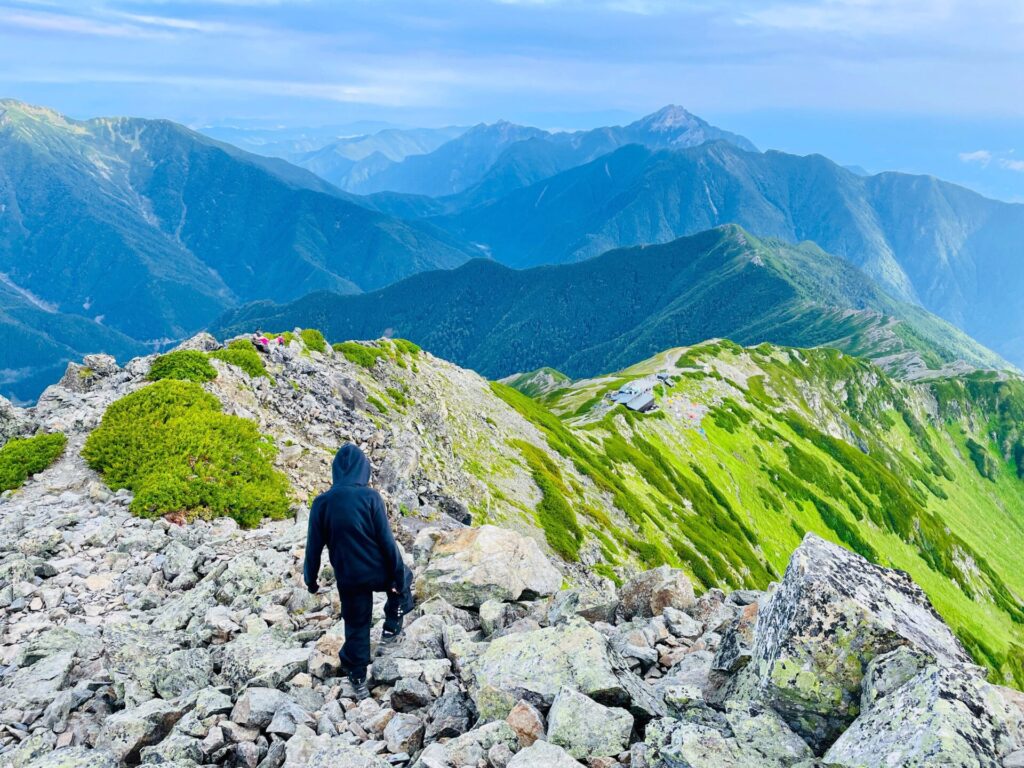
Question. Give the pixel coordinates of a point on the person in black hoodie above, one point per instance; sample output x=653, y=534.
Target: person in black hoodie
x=350, y=520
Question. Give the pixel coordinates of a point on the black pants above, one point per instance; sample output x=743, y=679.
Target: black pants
x=357, y=611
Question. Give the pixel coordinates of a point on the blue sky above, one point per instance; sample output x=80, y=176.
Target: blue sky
x=919, y=85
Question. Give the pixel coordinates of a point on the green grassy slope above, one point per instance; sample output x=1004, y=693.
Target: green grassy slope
x=751, y=448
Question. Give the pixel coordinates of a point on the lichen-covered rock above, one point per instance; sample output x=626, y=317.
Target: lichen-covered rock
x=744, y=737
x=74, y=757
x=944, y=715
x=337, y=753
x=649, y=593
x=543, y=754
x=37, y=684
x=587, y=729
x=830, y=616
x=126, y=732
x=471, y=748
x=183, y=672
x=535, y=665
x=266, y=658
x=469, y=567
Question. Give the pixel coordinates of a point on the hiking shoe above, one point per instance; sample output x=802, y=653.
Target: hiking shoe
x=360, y=690
x=389, y=638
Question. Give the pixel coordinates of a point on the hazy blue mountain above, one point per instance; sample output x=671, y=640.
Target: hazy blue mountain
x=491, y=160
x=37, y=341
x=288, y=142
x=929, y=242
x=158, y=229
x=349, y=162
x=601, y=314
x=452, y=167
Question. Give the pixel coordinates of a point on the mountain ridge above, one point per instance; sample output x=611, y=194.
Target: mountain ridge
x=599, y=314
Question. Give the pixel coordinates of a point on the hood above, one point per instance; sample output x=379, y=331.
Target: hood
x=350, y=467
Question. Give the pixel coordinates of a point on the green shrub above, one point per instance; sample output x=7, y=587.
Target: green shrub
x=172, y=446
x=246, y=358
x=399, y=397
x=314, y=340
x=184, y=365
x=20, y=458
x=407, y=347
x=360, y=354
x=376, y=403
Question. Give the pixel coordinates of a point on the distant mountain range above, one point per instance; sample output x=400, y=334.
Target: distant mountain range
x=154, y=230
x=139, y=232
x=600, y=314
x=926, y=241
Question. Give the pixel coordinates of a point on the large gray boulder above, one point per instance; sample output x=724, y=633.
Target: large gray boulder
x=830, y=616
x=651, y=592
x=471, y=566
x=266, y=658
x=536, y=665
x=944, y=715
x=126, y=732
x=587, y=729
x=74, y=757
x=337, y=753
x=543, y=754
x=743, y=737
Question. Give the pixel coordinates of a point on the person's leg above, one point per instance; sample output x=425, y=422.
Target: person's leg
x=396, y=607
x=357, y=611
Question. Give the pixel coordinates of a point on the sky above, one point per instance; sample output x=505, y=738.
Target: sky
x=926, y=86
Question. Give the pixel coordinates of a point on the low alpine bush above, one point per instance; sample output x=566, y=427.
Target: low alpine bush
x=360, y=354
x=245, y=357
x=183, y=365
x=173, y=447
x=20, y=458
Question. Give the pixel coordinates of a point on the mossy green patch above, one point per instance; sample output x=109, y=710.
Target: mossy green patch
x=171, y=444
x=182, y=365
x=22, y=457
x=359, y=354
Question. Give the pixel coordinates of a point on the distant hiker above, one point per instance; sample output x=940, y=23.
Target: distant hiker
x=262, y=342
x=350, y=520
x=280, y=341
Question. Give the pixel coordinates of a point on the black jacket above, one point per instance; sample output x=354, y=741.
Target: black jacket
x=351, y=522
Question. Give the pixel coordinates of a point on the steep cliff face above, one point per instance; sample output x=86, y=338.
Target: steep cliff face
x=588, y=589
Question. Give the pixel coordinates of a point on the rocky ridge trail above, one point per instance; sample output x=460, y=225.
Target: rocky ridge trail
x=131, y=641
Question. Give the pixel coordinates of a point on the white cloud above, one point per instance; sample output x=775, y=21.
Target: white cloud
x=850, y=16
x=1012, y=165
x=981, y=156
x=68, y=24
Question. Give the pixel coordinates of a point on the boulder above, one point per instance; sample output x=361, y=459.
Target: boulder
x=36, y=685
x=528, y=723
x=536, y=665
x=183, y=672
x=337, y=753
x=745, y=736
x=830, y=616
x=257, y=706
x=944, y=715
x=649, y=593
x=404, y=733
x=469, y=567
x=587, y=729
x=266, y=658
x=543, y=754
x=74, y=757
x=126, y=732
